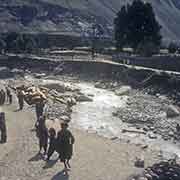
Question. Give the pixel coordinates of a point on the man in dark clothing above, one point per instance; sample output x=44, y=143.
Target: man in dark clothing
x=42, y=134
x=20, y=97
x=39, y=109
x=3, y=128
x=9, y=95
x=65, y=141
x=52, y=143
x=2, y=97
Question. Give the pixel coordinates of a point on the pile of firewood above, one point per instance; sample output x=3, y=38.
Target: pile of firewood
x=33, y=95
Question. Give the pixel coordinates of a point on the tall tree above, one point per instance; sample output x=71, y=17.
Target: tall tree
x=136, y=24
x=121, y=28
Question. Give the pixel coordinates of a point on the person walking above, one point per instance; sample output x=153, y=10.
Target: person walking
x=2, y=97
x=42, y=134
x=20, y=96
x=3, y=128
x=65, y=141
x=52, y=143
x=9, y=95
x=39, y=106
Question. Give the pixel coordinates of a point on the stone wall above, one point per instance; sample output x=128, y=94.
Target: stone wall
x=170, y=63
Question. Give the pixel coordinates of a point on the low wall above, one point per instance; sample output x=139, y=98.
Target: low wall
x=170, y=63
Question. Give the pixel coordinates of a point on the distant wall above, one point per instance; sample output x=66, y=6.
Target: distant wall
x=171, y=63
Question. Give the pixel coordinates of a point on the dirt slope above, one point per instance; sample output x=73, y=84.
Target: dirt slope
x=95, y=157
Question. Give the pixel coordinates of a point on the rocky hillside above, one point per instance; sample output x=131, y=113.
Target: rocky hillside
x=76, y=16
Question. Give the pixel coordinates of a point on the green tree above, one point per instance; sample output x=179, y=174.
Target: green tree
x=136, y=24
x=121, y=28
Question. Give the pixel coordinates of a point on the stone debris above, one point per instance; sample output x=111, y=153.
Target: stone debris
x=83, y=98
x=172, y=111
x=139, y=162
x=166, y=170
x=148, y=113
x=124, y=90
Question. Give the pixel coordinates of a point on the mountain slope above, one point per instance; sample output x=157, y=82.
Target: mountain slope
x=76, y=16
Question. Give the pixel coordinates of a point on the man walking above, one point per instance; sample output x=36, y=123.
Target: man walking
x=9, y=95
x=3, y=128
x=20, y=96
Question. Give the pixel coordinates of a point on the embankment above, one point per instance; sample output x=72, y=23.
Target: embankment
x=134, y=75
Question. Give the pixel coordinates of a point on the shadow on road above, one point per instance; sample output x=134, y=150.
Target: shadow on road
x=17, y=110
x=37, y=157
x=50, y=164
x=61, y=176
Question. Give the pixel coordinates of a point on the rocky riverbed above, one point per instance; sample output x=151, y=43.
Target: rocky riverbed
x=110, y=108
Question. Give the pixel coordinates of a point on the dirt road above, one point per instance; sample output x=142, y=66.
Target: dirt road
x=95, y=158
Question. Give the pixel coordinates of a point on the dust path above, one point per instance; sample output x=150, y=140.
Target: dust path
x=94, y=158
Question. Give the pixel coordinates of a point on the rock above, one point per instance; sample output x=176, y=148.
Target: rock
x=152, y=136
x=162, y=97
x=65, y=118
x=5, y=72
x=172, y=111
x=39, y=75
x=171, y=133
x=144, y=146
x=83, y=98
x=114, y=138
x=91, y=95
x=158, y=95
x=124, y=90
x=98, y=85
x=146, y=128
x=115, y=114
x=102, y=127
x=139, y=162
x=152, y=128
x=17, y=72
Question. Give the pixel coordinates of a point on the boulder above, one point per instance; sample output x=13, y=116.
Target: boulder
x=83, y=98
x=124, y=90
x=39, y=75
x=100, y=85
x=172, y=111
x=19, y=72
x=151, y=135
x=139, y=162
x=5, y=72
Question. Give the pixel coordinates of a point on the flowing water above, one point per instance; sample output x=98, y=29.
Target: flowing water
x=96, y=117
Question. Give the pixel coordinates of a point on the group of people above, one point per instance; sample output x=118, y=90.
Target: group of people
x=5, y=95
x=49, y=141
x=62, y=143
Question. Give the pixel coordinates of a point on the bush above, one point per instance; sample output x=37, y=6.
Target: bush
x=147, y=49
x=173, y=48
